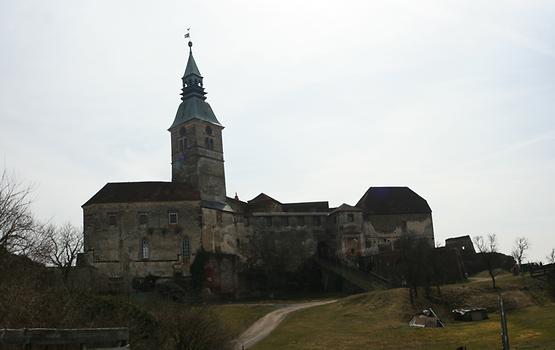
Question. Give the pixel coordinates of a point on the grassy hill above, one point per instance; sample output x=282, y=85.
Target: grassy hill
x=379, y=320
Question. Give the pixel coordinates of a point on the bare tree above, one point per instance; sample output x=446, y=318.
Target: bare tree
x=519, y=250
x=488, y=249
x=551, y=256
x=17, y=227
x=61, y=246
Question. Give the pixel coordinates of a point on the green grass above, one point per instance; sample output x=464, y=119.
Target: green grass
x=238, y=317
x=379, y=320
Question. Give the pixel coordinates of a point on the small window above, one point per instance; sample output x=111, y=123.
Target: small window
x=285, y=221
x=182, y=144
x=316, y=221
x=350, y=217
x=182, y=131
x=112, y=220
x=208, y=130
x=172, y=218
x=268, y=221
x=185, y=247
x=219, y=217
x=300, y=220
x=206, y=142
x=143, y=219
x=238, y=243
x=211, y=143
x=145, y=250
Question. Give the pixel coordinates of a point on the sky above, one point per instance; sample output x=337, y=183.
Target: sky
x=320, y=99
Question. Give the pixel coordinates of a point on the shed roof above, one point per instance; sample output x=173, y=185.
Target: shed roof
x=150, y=191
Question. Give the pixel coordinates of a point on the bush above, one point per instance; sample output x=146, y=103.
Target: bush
x=192, y=329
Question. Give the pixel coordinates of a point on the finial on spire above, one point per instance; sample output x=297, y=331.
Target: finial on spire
x=188, y=36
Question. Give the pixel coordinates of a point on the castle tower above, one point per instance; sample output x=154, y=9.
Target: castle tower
x=196, y=139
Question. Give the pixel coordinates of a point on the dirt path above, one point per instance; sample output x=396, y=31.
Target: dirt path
x=265, y=325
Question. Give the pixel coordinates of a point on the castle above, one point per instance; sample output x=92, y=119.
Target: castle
x=135, y=229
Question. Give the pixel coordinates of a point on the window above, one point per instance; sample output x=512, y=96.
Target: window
x=185, y=247
x=145, y=250
x=182, y=131
x=143, y=219
x=316, y=221
x=182, y=144
x=350, y=217
x=112, y=220
x=172, y=218
x=300, y=220
x=219, y=217
x=208, y=130
x=206, y=142
x=211, y=143
x=285, y=221
x=268, y=221
x=238, y=243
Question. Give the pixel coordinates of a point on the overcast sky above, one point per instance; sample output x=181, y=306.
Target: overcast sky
x=320, y=99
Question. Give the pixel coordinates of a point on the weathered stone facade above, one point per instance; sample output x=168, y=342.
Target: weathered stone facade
x=156, y=228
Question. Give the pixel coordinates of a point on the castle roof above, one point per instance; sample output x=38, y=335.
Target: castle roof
x=393, y=200
x=151, y=191
x=193, y=105
x=345, y=207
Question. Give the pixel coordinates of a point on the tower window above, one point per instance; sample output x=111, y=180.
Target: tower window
x=185, y=247
x=143, y=219
x=206, y=142
x=316, y=221
x=145, y=250
x=285, y=221
x=211, y=143
x=172, y=218
x=182, y=131
x=219, y=218
x=112, y=220
x=350, y=217
x=182, y=144
x=208, y=130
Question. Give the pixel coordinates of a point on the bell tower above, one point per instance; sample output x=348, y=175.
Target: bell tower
x=196, y=139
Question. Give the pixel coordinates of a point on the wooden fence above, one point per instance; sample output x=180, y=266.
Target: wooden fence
x=67, y=339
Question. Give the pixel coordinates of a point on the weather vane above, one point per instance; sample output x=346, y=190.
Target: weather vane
x=188, y=36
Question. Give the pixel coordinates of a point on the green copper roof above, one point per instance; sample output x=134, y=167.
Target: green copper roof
x=191, y=66
x=194, y=108
x=193, y=96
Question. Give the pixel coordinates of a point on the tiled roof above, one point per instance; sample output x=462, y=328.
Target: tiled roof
x=393, y=200
x=151, y=191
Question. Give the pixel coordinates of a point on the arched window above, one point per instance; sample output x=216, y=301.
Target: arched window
x=145, y=250
x=208, y=130
x=185, y=247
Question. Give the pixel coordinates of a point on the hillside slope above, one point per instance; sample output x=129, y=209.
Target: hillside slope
x=379, y=320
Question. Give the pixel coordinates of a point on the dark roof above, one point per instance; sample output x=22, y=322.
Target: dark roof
x=393, y=200
x=263, y=197
x=194, y=108
x=345, y=207
x=306, y=207
x=151, y=191
x=191, y=66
